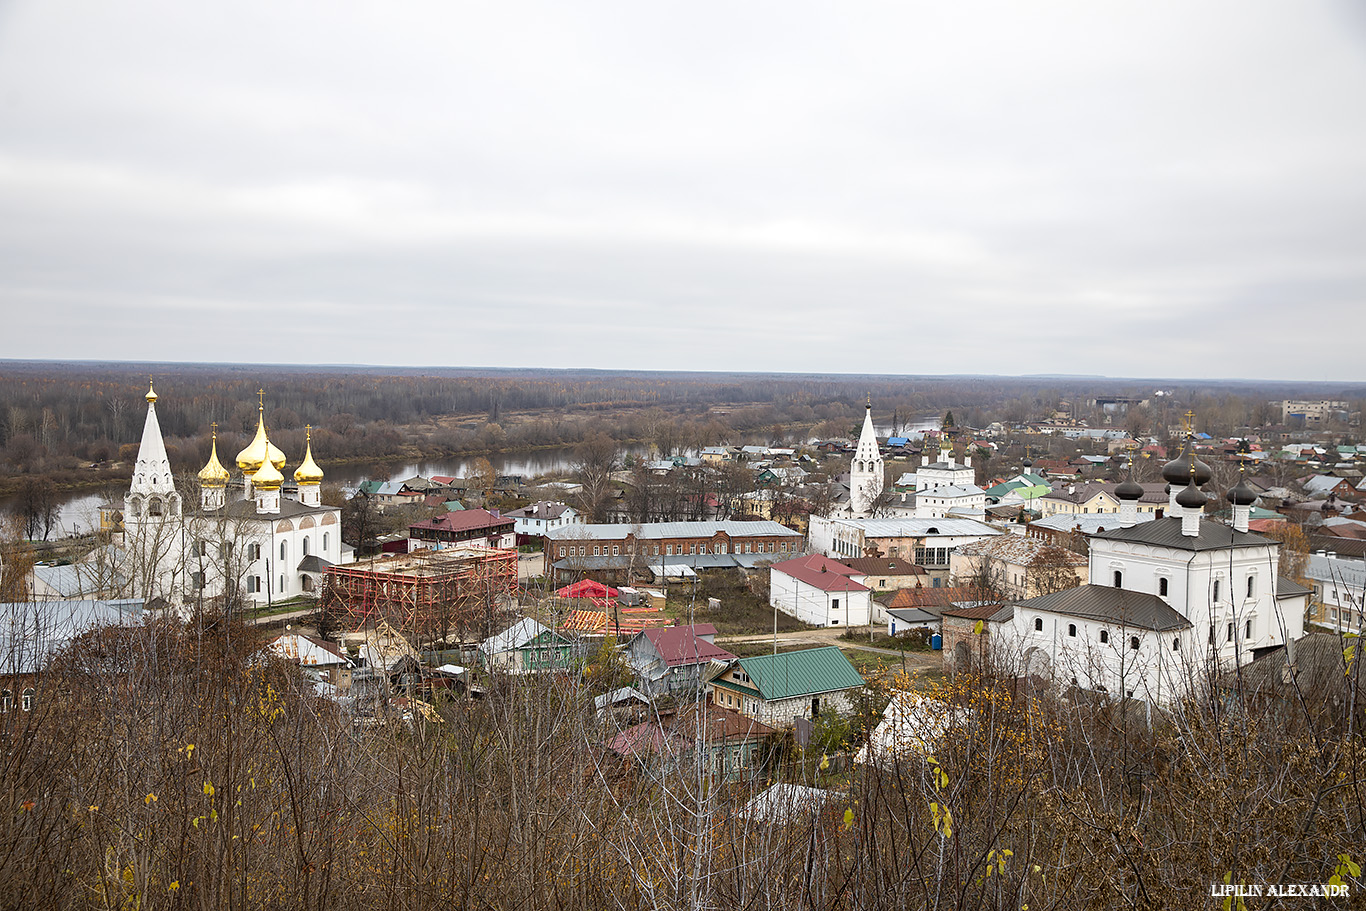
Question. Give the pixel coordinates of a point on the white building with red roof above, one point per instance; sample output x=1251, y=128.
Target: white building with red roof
x=820, y=591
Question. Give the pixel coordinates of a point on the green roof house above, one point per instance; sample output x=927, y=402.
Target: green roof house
x=778, y=689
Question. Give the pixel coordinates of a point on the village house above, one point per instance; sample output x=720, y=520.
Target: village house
x=526, y=647
x=321, y=660
x=778, y=689
x=532, y=522
x=883, y=574
x=730, y=746
x=819, y=591
x=671, y=660
x=478, y=527
x=1094, y=497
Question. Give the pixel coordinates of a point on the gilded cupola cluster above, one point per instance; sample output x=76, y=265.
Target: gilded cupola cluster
x=262, y=465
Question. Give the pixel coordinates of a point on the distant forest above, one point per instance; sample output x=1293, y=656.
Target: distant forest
x=55, y=416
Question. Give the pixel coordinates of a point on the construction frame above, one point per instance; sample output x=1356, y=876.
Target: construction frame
x=427, y=594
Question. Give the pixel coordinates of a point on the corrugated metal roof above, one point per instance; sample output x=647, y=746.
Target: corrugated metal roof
x=808, y=672
x=32, y=631
x=670, y=563
x=1089, y=523
x=1166, y=532
x=657, y=530
x=913, y=615
x=1114, y=605
x=515, y=636
x=822, y=573
x=1346, y=573
x=919, y=528
x=1289, y=588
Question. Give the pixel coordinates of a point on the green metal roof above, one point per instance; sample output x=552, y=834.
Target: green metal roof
x=808, y=672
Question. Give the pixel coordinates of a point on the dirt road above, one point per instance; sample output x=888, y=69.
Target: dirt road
x=914, y=661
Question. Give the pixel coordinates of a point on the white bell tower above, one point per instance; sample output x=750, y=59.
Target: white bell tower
x=866, y=475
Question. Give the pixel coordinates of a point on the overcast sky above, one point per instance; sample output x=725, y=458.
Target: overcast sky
x=1124, y=188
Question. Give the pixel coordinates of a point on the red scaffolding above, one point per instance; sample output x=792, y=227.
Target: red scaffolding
x=427, y=594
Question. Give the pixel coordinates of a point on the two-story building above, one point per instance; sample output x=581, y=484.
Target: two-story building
x=927, y=543
x=641, y=546
x=470, y=526
x=532, y=522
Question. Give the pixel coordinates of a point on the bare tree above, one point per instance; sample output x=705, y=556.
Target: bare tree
x=597, y=459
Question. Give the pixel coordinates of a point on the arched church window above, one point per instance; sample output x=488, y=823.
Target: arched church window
x=154, y=506
x=306, y=545
x=6, y=700
x=325, y=545
x=27, y=700
x=284, y=549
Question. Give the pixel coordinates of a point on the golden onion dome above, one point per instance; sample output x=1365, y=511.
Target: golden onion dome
x=267, y=477
x=254, y=456
x=213, y=474
x=151, y=395
x=277, y=458
x=308, y=472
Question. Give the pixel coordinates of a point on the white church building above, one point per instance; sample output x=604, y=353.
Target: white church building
x=261, y=547
x=1171, y=601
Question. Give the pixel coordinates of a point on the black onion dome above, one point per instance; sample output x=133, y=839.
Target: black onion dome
x=1191, y=497
x=1178, y=470
x=1129, y=490
x=1242, y=495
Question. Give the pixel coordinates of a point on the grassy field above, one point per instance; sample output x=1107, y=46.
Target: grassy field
x=744, y=603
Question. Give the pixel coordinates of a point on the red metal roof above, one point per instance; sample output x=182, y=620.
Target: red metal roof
x=466, y=520
x=586, y=588
x=821, y=572
x=679, y=645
